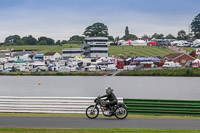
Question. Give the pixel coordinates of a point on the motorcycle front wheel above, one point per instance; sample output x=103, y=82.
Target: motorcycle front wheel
x=92, y=112
x=121, y=113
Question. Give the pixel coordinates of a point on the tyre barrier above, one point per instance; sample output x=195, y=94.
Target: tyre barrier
x=79, y=105
x=159, y=106
x=46, y=104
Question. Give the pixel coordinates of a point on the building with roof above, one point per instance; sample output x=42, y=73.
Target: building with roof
x=71, y=53
x=181, y=58
x=52, y=56
x=95, y=47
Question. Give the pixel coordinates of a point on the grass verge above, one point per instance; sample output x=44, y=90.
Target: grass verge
x=193, y=72
x=119, y=130
x=83, y=115
x=78, y=73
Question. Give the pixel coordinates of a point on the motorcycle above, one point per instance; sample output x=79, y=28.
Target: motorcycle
x=119, y=110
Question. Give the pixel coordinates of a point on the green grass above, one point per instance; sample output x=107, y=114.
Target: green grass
x=189, y=49
x=112, y=50
x=83, y=115
x=164, y=72
x=77, y=73
x=42, y=48
x=138, y=51
x=119, y=130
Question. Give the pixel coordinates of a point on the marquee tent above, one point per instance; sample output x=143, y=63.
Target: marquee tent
x=139, y=43
x=152, y=43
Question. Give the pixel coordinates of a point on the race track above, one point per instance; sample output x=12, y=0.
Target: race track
x=75, y=122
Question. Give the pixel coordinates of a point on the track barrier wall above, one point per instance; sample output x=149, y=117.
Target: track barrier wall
x=46, y=104
x=158, y=107
x=79, y=105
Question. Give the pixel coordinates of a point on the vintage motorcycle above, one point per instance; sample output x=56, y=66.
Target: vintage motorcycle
x=119, y=110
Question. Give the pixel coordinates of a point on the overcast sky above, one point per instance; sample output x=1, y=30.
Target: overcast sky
x=60, y=19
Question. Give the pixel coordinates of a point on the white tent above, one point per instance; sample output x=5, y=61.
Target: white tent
x=139, y=43
x=122, y=42
x=178, y=42
x=196, y=41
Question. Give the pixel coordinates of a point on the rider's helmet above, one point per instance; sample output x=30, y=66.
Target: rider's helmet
x=108, y=90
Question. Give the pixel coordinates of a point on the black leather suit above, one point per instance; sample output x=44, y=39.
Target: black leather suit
x=112, y=99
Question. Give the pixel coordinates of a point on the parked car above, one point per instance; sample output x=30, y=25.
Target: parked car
x=188, y=44
x=64, y=69
x=112, y=67
x=134, y=66
x=195, y=45
x=180, y=45
x=103, y=68
x=171, y=65
x=73, y=69
x=92, y=68
x=130, y=67
x=188, y=64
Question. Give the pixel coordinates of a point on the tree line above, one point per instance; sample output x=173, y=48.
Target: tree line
x=101, y=30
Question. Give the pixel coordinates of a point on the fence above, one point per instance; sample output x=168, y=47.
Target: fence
x=151, y=106
x=46, y=104
x=79, y=104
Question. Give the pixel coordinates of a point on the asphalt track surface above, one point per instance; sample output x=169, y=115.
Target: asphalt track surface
x=75, y=122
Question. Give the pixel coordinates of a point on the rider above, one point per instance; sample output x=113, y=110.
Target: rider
x=111, y=97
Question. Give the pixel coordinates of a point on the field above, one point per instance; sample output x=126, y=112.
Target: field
x=119, y=130
x=42, y=48
x=189, y=49
x=78, y=73
x=164, y=72
x=138, y=51
x=112, y=50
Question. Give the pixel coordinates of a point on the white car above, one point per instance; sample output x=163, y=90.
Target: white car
x=130, y=67
x=171, y=65
x=112, y=67
x=64, y=69
x=103, y=68
x=92, y=68
x=73, y=69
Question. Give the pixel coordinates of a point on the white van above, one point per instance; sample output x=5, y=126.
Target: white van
x=171, y=65
x=92, y=68
x=111, y=67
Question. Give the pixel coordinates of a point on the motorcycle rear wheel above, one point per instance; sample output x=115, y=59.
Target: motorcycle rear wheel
x=92, y=112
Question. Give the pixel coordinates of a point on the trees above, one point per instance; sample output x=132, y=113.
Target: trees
x=126, y=31
x=64, y=42
x=170, y=36
x=195, y=26
x=13, y=39
x=42, y=42
x=110, y=38
x=146, y=37
x=77, y=38
x=29, y=40
x=58, y=42
x=182, y=35
x=45, y=41
x=158, y=36
x=129, y=37
x=96, y=30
